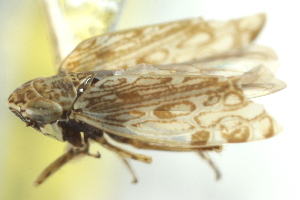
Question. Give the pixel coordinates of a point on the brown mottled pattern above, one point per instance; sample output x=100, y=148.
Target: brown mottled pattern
x=173, y=42
x=169, y=111
x=200, y=138
x=235, y=131
x=57, y=88
x=61, y=88
x=174, y=110
x=133, y=90
x=19, y=99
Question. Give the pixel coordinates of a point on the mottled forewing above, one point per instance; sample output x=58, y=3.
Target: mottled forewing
x=257, y=66
x=173, y=42
x=185, y=111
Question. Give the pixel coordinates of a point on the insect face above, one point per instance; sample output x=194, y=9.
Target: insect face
x=42, y=102
x=35, y=110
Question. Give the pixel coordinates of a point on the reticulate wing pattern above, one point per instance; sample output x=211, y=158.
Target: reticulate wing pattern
x=175, y=110
x=257, y=66
x=174, y=42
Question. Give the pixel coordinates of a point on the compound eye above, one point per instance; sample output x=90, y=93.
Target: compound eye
x=44, y=110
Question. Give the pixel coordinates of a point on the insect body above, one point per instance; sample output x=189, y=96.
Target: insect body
x=195, y=95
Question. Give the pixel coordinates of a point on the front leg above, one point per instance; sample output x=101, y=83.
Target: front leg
x=72, y=153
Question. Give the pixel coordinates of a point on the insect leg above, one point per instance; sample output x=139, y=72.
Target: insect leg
x=73, y=152
x=202, y=151
x=123, y=154
x=207, y=158
x=132, y=172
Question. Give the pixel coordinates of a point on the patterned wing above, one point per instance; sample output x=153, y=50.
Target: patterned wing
x=174, y=42
x=256, y=64
x=178, y=110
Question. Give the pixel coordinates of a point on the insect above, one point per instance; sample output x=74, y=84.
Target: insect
x=192, y=95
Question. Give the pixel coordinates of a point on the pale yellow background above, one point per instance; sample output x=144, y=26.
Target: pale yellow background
x=264, y=170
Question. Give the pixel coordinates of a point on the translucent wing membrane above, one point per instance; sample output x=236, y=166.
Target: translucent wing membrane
x=175, y=110
x=256, y=64
x=195, y=94
x=174, y=42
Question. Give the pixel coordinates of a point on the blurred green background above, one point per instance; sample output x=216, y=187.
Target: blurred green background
x=263, y=170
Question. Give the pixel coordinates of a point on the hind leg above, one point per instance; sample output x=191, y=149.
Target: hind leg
x=124, y=155
x=202, y=151
x=204, y=155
